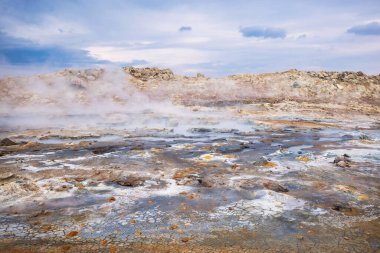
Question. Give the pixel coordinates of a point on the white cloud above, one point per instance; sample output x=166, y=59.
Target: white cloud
x=49, y=30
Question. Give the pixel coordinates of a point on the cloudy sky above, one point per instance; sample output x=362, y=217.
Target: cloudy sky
x=213, y=37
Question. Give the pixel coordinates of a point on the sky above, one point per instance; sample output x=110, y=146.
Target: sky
x=217, y=38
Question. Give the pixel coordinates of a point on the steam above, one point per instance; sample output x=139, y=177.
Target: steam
x=96, y=98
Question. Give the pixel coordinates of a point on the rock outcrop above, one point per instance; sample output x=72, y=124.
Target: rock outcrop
x=82, y=90
x=146, y=74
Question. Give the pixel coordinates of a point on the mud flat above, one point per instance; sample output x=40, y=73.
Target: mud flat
x=142, y=160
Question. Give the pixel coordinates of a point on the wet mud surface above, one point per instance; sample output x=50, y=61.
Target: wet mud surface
x=224, y=179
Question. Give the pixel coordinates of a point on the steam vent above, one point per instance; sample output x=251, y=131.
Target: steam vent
x=144, y=160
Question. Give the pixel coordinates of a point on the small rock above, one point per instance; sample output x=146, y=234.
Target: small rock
x=111, y=199
x=131, y=181
x=345, y=209
x=343, y=164
x=296, y=85
x=62, y=188
x=273, y=186
x=200, y=130
x=173, y=227
x=6, y=175
x=72, y=234
x=200, y=75
x=188, y=176
x=66, y=247
x=364, y=137
x=41, y=213
x=342, y=161
x=185, y=239
x=205, y=182
x=7, y=142
x=264, y=162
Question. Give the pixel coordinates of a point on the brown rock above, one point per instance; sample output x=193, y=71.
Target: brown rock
x=274, y=186
x=145, y=74
x=66, y=247
x=72, y=234
x=131, y=181
x=185, y=239
x=6, y=175
x=111, y=199
x=173, y=227
x=41, y=213
x=188, y=176
x=343, y=164
x=7, y=142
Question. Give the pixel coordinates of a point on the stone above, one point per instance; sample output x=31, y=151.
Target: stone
x=72, y=234
x=145, y=74
x=7, y=142
x=342, y=161
x=173, y=227
x=206, y=182
x=274, y=186
x=341, y=208
x=111, y=199
x=185, y=239
x=200, y=75
x=6, y=175
x=200, y=130
x=296, y=85
x=342, y=164
x=130, y=181
x=264, y=162
x=187, y=176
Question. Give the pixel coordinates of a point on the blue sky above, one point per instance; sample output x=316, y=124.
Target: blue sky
x=214, y=37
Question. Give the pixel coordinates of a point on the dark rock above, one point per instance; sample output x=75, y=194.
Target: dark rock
x=7, y=142
x=206, y=182
x=364, y=137
x=200, y=130
x=346, y=209
x=347, y=137
x=145, y=74
x=231, y=148
x=200, y=75
x=274, y=186
x=296, y=85
x=101, y=150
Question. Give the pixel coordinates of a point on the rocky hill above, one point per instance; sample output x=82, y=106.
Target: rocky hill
x=98, y=89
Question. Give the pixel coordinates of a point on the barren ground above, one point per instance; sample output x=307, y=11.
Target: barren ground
x=147, y=161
